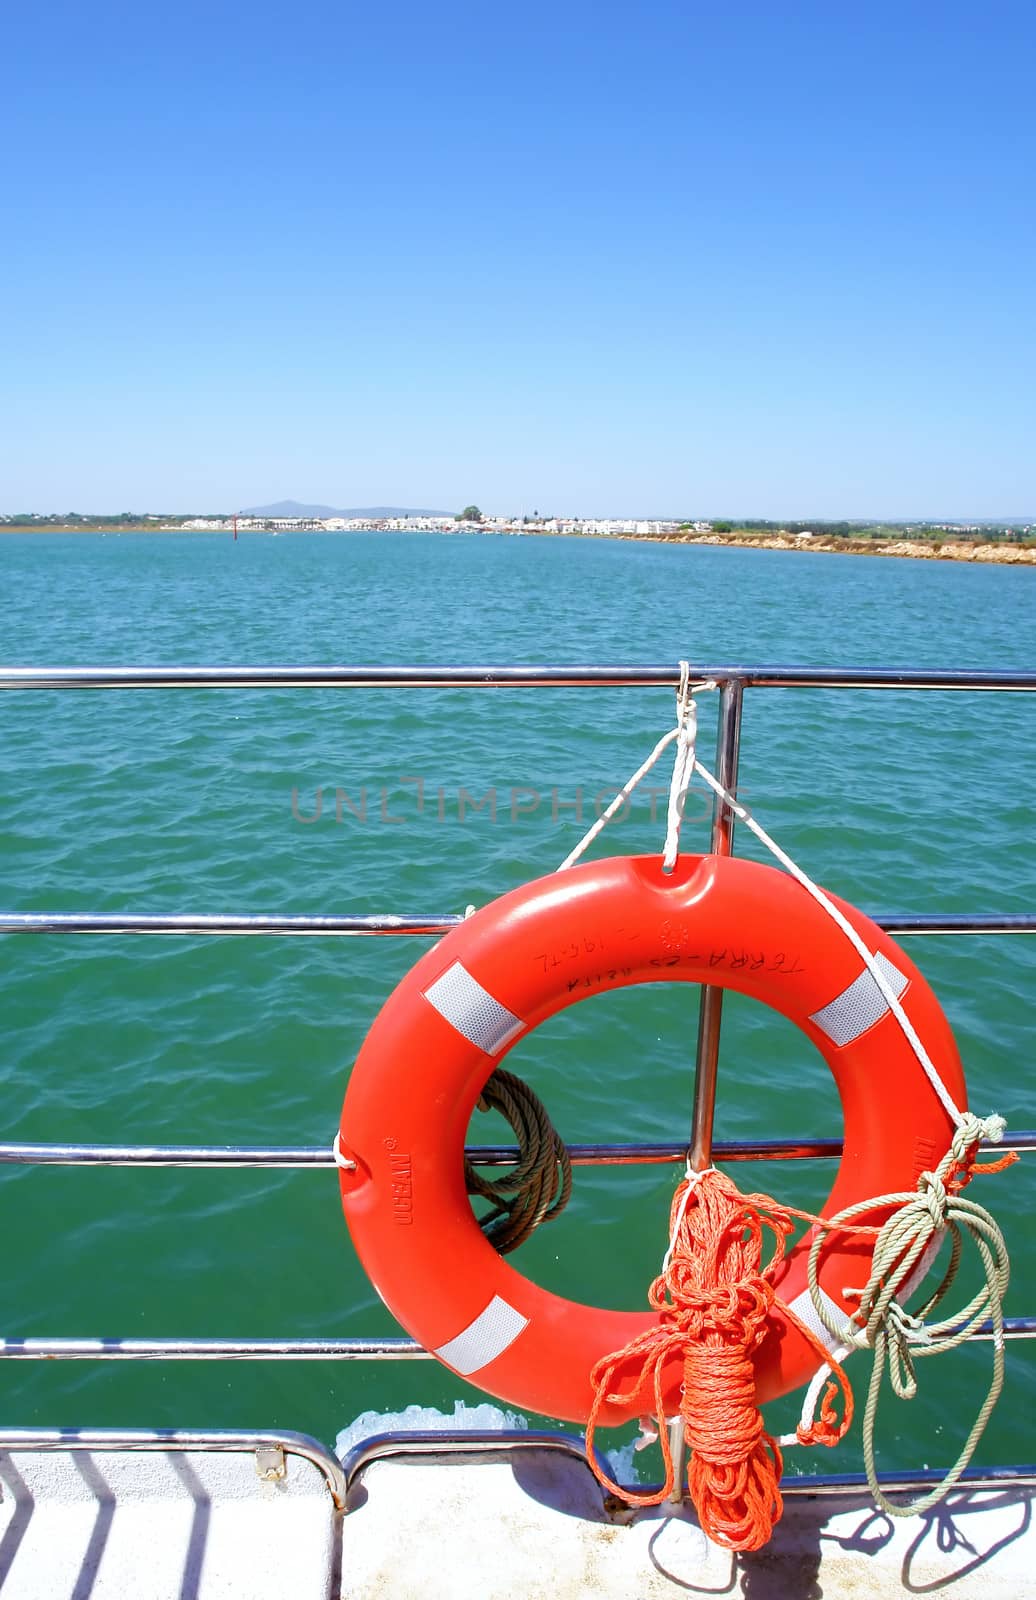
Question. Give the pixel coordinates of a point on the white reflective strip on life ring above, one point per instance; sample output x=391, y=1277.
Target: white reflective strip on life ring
x=806, y=1311
x=470, y=1009
x=860, y=1006
x=484, y=1339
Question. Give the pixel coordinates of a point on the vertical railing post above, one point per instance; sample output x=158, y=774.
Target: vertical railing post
x=710, y=1015
x=728, y=744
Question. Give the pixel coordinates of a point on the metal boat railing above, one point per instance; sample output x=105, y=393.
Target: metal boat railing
x=732, y=682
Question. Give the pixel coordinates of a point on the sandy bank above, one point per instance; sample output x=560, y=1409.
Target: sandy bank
x=1001, y=554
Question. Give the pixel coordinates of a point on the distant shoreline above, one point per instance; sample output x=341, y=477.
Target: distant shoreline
x=996, y=554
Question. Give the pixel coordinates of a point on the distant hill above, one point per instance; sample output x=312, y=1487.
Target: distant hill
x=294, y=508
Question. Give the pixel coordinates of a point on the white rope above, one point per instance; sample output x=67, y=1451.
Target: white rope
x=683, y=767
x=820, y=1378
x=992, y=1127
x=842, y=1349
x=346, y=1163
x=624, y=793
x=686, y=726
x=692, y=1179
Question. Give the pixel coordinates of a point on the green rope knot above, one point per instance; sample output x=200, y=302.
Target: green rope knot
x=905, y=1250
x=538, y=1188
x=903, y=1331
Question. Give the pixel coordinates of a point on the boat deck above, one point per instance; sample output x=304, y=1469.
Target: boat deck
x=444, y=1519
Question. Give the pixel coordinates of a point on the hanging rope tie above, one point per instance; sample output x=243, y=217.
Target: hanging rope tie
x=536, y=1190
x=714, y=1297
x=902, y=1251
x=684, y=766
x=900, y=1262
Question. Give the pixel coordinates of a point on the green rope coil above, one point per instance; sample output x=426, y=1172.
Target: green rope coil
x=538, y=1188
x=898, y=1337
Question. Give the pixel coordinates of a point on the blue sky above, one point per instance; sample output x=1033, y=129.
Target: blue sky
x=589, y=258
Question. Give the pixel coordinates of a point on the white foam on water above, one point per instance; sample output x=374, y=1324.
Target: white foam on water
x=622, y=1461
x=483, y=1418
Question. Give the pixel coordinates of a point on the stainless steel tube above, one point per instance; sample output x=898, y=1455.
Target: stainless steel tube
x=728, y=745
x=710, y=1012
x=181, y=1440
x=527, y=677
x=221, y=925
x=375, y=1349
x=497, y=1155
x=388, y=1348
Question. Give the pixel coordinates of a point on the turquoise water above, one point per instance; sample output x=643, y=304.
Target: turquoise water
x=178, y=801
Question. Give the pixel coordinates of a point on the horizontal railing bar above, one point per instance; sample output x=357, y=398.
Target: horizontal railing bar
x=115, y=922
x=532, y=676
x=403, y=1445
x=220, y=1440
x=340, y=1475
x=499, y=1442
x=900, y=923
x=932, y=923
x=976, y=1478
x=389, y=1348
x=582, y=1155
x=849, y=1484
x=166, y=1155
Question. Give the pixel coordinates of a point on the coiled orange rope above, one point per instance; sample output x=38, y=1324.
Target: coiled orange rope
x=714, y=1297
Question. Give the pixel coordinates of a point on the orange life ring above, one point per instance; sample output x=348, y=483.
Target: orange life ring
x=601, y=926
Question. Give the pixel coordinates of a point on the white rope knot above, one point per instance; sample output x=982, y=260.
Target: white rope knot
x=908, y=1328
x=900, y=1333
x=932, y=1196
x=972, y=1130
x=683, y=767
x=692, y=1177
x=346, y=1163
x=684, y=733
x=683, y=691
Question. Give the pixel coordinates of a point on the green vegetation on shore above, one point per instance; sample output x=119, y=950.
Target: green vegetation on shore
x=72, y=521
